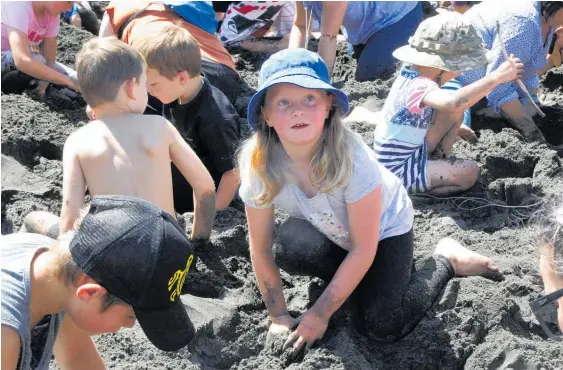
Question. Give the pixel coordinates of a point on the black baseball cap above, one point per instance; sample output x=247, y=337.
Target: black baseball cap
x=140, y=254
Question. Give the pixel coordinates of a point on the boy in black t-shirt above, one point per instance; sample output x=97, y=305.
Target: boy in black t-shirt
x=203, y=115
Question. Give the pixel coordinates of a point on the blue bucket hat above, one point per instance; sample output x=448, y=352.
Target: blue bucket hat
x=299, y=67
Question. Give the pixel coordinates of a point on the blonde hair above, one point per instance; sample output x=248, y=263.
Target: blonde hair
x=263, y=157
x=170, y=51
x=103, y=65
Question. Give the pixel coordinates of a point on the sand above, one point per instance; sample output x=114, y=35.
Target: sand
x=474, y=324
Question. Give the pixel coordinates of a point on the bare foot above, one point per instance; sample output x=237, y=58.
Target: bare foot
x=466, y=262
x=40, y=222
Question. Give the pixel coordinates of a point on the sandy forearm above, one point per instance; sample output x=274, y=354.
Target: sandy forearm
x=467, y=96
x=204, y=214
x=269, y=282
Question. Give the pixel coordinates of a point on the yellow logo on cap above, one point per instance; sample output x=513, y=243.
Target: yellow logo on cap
x=178, y=279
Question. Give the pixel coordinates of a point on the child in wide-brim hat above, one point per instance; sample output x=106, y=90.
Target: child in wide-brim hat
x=442, y=47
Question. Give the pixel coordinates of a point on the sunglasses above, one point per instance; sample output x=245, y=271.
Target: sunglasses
x=543, y=308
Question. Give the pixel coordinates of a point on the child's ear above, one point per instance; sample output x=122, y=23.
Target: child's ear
x=183, y=77
x=86, y=292
x=130, y=87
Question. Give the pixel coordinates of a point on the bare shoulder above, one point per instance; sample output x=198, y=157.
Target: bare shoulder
x=10, y=336
x=11, y=344
x=85, y=132
x=160, y=125
x=155, y=121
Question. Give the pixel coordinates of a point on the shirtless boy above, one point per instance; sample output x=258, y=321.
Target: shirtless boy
x=124, y=152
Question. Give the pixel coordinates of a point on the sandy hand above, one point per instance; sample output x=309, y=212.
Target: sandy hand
x=278, y=332
x=510, y=70
x=466, y=262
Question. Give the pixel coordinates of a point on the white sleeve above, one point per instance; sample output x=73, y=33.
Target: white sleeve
x=366, y=175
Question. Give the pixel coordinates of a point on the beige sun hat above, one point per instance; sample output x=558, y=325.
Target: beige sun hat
x=447, y=41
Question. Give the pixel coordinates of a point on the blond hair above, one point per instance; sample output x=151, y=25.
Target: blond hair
x=263, y=157
x=170, y=51
x=103, y=65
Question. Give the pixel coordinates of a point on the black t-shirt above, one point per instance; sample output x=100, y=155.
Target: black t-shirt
x=209, y=124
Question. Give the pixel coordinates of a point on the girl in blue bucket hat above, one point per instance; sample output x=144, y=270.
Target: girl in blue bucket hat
x=350, y=218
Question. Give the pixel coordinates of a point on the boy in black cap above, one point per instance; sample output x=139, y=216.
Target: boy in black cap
x=126, y=261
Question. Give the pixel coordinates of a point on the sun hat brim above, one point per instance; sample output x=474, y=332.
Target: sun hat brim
x=305, y=81
x=473, y=59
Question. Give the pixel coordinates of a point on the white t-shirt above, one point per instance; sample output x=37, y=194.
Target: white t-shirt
x=328, y=212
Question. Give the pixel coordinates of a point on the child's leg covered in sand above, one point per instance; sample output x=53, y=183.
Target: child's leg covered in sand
x=392, y=298
x=451, y=176
x=443, y=133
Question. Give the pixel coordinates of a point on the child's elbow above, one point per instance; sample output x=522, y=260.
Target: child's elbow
x=21, y=61
x=205, y=188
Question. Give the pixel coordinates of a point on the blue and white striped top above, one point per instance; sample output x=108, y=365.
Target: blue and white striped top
x=399, y=140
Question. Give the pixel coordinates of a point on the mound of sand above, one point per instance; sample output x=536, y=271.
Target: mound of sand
x=474, y=324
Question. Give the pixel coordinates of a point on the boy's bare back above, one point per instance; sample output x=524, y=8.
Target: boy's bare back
x=124, y=152
x=125, y=155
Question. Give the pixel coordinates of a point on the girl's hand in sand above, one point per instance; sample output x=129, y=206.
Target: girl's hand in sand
x=510, y=70
x=284, y=321
x=280, y=328
x=311, y=328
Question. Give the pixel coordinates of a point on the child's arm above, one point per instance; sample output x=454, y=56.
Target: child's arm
x=200, y=180
x=74, y=349
x=227, y=188
x=10, y=347
x=299, y=30
x=260, y=232
x=74, y=185
x=469, y=95
x=331, y=21
x=21, y=53
x=49, y=51
x=363, y=217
